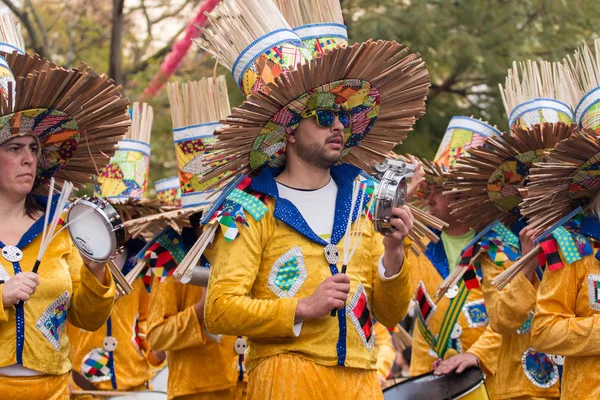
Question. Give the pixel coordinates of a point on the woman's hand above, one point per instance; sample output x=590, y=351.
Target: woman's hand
x=19, y=288
x=96, y=268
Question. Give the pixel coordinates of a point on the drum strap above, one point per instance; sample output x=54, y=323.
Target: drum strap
x=450, y=319
x=440, y=344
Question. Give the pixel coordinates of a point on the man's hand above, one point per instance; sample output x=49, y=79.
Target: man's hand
x=416, y=180
x=331, y=294
x=393, y=257
x=457, y=363
x=19, y=288
x=527, y=236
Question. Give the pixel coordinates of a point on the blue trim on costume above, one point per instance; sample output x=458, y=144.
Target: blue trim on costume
x=111, y=357
x=28, y=237
x=437, y=255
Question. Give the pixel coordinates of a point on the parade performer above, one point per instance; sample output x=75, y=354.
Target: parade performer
x=303, y=282
x=52, y=133
x=567, y=306
x=386, y=352
x=453, y=333
x=116, y=356
x=201, y=365
x=493, y=177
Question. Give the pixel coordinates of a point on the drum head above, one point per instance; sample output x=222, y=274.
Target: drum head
x=159, y=382
x=91, y=232
x=434, y=387
x=140, y=396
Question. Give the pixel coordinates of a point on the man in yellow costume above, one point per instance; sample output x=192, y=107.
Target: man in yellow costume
x=298, y=267
x=453, y=334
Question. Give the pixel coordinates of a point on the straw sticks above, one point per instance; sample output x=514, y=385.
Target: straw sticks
x=304, y=12
x=10, y=31
x=142, y=116
x=235, y=24
x=582, y=71
x=198, y=102
x=530, y=80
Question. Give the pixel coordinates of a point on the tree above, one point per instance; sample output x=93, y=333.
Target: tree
x=468, y=47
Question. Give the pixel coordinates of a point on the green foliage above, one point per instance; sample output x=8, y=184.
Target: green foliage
x=468, y=47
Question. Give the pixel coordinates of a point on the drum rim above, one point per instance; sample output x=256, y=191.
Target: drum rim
x=116, y=226
x=459, y=395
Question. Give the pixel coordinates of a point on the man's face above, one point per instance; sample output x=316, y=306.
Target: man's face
x=317, y=145
x=438, y=203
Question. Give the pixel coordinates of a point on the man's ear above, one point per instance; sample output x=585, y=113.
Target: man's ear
x=291, y=137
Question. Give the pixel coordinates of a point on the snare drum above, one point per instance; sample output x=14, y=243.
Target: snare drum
x=96, y=228
x=470, y=385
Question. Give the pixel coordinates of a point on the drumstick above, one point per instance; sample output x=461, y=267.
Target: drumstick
x=353, y=233
x=119, y=278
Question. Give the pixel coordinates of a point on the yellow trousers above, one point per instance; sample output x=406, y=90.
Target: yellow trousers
x=287, y=377
x=229, y=394
x=41, y=387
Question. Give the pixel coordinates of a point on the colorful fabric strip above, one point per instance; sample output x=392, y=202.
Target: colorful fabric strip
x=550, y=249
x=450, y=319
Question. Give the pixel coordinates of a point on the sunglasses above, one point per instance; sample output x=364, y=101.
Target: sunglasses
x=326, y=118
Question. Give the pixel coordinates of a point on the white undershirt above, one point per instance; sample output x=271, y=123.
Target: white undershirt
x=316, y=206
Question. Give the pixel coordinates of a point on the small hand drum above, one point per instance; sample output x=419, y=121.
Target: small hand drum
x=392, y=192
x=96, y=229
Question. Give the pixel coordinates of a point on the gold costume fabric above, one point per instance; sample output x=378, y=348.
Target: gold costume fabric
x=128, y=323
x=567, y=323
x=386, y=352
x=67, y=291
x=197, y=364
x=41, y=387
x=288, y=377
x=480, y=341
x=245, y=296
x=509, y=309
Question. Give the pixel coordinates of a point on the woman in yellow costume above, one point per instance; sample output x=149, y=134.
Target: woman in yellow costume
x=41, y=136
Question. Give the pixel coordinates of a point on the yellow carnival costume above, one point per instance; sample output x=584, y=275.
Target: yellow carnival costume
x=493, y=176
x=173, y=327
x=384, y=349
x=32, y=334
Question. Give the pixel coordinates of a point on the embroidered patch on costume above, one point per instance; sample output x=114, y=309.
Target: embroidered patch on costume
x=288, y=273
x=526, y=327
x=95, y=366
x=360, y=314
x=135, y=337
x=53, y=320
x=539, y=368
x=426, y=306
x=476, y=314
x=594, y=291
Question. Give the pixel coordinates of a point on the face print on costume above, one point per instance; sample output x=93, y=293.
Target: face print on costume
x=240, y=346
x=110, y=343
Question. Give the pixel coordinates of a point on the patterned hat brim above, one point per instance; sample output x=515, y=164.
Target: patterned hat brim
x=568, y=179
x=392, y=91
x=494, y=174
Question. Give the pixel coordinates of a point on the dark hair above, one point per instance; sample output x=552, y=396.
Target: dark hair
x=32, y=207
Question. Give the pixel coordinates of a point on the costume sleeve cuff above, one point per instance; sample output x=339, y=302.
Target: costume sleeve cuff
x=92, y=284
x=297, y=328
x=381, y=270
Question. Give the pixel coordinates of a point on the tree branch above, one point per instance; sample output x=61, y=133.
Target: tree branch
x=116, y=39
x=24, y=18
x=142, y=65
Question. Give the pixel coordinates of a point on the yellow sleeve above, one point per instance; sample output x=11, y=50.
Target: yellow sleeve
x=143, y=305
x=556, y=328
x=169, y=327
x=230, y=309
x=92, y=302
x=487, y=349
x=386, y=352
x=391, y=297
x=509, y=308
x=3, y=312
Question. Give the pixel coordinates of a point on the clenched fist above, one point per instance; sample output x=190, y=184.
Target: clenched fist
x=20, y=287
x=330, y=295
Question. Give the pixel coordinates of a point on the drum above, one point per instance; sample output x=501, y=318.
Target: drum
x=96, y=228
x=391, y=193
x=470, y=385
